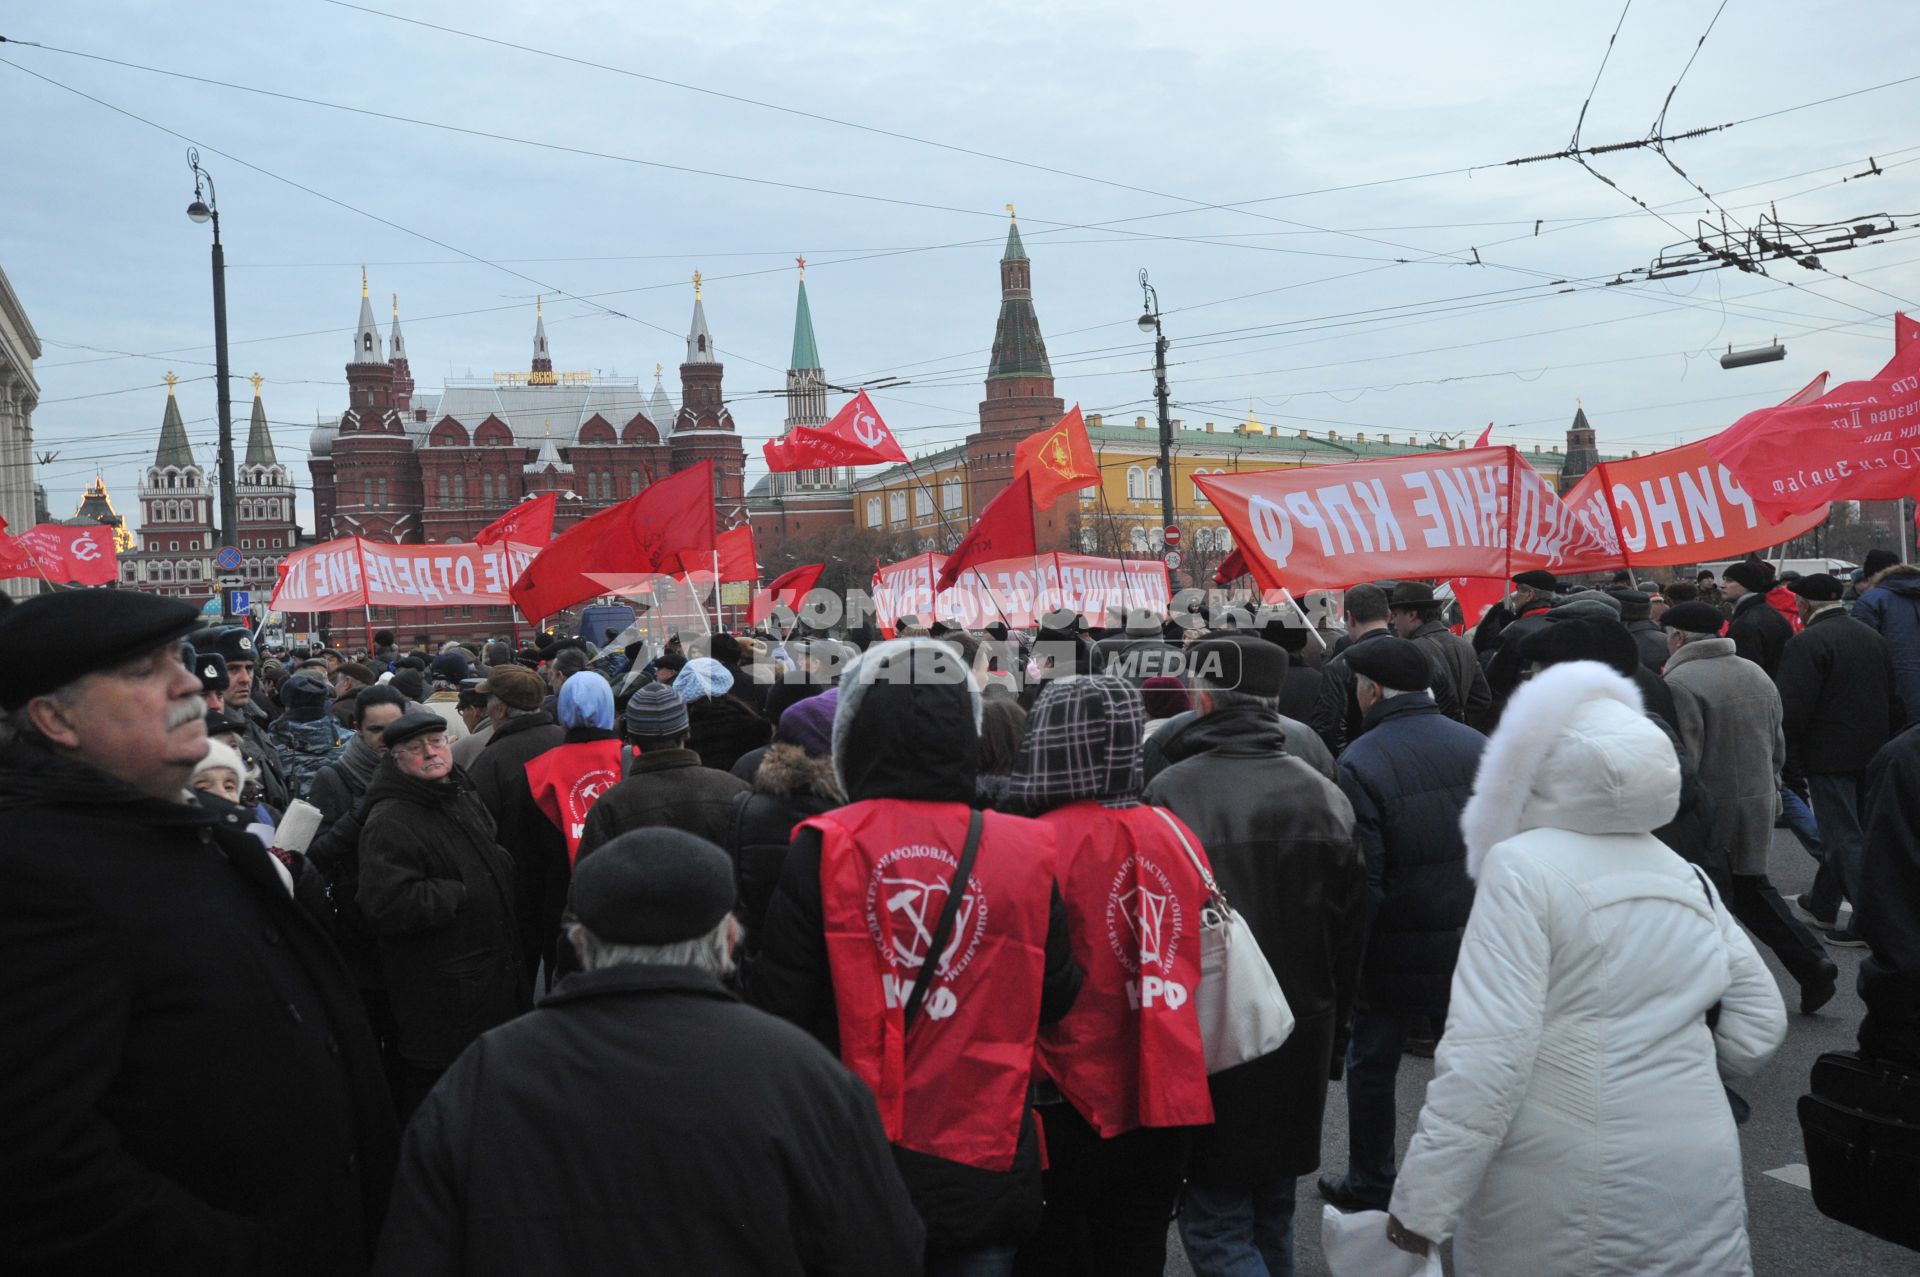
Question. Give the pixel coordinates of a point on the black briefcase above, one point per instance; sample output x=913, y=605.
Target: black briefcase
x=1862, y=1130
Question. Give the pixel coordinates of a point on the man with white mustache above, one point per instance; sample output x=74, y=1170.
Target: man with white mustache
x=186, y=1075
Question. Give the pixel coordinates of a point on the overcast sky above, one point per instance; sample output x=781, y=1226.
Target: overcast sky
x=1111, y=127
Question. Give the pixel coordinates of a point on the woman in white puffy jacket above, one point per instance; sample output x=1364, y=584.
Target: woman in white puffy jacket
x=1576, y=1123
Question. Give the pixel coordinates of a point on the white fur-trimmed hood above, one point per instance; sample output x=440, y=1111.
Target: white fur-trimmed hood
x=1574, y=750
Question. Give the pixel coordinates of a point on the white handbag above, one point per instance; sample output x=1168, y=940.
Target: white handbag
x=1243, y=1014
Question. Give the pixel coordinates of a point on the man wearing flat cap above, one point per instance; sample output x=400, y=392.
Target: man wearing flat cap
x=642, y=1115
x=1408, y=775
x=186, y=1078
x=1533, y=595
x=1416, y=618
x=1636, y=611
x=1280, y=838
x=234, y=645
x=437, y=891
x=1758, y=630
x=1839, y=702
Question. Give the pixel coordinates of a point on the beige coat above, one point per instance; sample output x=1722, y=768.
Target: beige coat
x=1730, y=723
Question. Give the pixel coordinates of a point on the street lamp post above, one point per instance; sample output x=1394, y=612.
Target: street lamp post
x=1150, y=323
x=208, y=210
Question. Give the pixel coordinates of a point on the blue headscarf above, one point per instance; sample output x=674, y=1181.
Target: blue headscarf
x=701, y=677
x=586, y=700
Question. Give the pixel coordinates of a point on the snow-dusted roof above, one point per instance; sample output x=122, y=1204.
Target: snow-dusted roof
x=529, y=410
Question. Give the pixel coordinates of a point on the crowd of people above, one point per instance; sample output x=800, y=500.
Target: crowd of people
x=841, y=954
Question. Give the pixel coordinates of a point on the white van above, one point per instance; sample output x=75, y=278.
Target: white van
x=1805, y=567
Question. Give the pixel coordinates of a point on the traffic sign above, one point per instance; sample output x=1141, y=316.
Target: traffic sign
x=238, y=602
x=1173, y=560
x=1172, y=534
x=233, y=582
x=228, y=560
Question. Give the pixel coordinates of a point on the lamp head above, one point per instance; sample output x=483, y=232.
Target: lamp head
x=1148, y=322
x=199, y=211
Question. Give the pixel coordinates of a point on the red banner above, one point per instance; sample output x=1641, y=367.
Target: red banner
x=1018, y=591
x=1858, y=442
x=82, y=555
x=855, y=437
x=1470, y=512
x=337, y=576
x=529, y=523
x=786, y=590
x=1003, y=530
x=621, y=545
x=1058, y=461
x=734, y=553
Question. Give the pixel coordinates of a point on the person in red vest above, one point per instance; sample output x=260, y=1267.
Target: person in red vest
x=927, y=943
x=1125, y=1072
x=568, y=779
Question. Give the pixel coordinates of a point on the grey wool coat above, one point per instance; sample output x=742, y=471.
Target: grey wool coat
x=1730, y=724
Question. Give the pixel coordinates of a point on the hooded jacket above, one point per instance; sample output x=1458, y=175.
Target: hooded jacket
x=187, y=1079
x=438, y=892
x=1893, y=609
x=1576, y=1121
x=916, y=743
x=1280, y=838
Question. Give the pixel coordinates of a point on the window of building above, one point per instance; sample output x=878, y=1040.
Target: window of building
x=922, y=503
x=446, y=490
x=1137, y=538
x=486, y=489
x=173, y=545
x=950, y=494
x=1136, y=484
x=1199, y=497
x=633, y=482
x=1153, y=483
x=873, y=512
x=896, y=507
x=1222, y=540
x=1203, y=539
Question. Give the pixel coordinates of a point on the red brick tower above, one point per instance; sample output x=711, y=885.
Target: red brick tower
x=703, y=430
x=1020, y=399
x=377, y=489
x=402, y=371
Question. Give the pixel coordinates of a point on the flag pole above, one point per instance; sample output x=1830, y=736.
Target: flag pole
x=932, y=594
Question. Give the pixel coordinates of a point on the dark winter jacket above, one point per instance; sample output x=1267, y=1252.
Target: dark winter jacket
x=789, y=787
x=1280, y=838
x=1336, y=717
x=1505, y=666
x=722, y=728
x=438, y=892
x=1156, y=752
x=540, y=866
x=1301, y=690
x=1138, y=658
x=1472, y=701
x=1652, y=642
x=1759, y=633
x=1837, y=699
x=187, y=1080
x=1890, y=877
x=339, y=792
x=258, y=748
x=643, y=1121
x=906, y=744
x=666, y=787
x=1893, y=609
x=304, y=748
x=1408, y=777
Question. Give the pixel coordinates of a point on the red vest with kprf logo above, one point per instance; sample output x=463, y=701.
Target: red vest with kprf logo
x=1129, y=1052
x=957, y=1087
x=568, y=780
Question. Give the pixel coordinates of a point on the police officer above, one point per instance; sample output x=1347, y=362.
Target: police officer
x=234, y=645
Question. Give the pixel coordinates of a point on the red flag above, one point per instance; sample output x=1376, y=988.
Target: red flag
x=640, y=536
x=1475, y=594
x=84, y=554
x=786, y=591
x=1485, y=435
x=1906, y=329
x=733, y=552
x=1231, y=568
x=855, y=437
x=529, y=523
x=1058, y=460
x=1004, y=530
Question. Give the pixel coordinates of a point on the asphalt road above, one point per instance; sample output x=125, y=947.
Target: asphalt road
x=1791, y=1238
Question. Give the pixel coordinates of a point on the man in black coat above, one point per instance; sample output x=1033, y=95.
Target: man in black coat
x=438, y=892
x=1838, y=707
x=642, y=1119
x=1336, y=716
x=1416, y=618
x=1758, y=631
x=1408, y=777
x=187, y=1082
x=666, y=784
x=1526, y=607
x=522, y=731
x=1280, y=838
x=1890, y=874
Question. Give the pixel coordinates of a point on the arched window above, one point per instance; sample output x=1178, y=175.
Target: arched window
x=633, y=482
x=1203, y=539
x=486, y=489
x=1223, y=540
x=1199, y=497
x=950, y=494
x=897, y=507
x=446, y=491
x=460, y=490
x=1137, y=538
x=1136, y=484
x=1153, y=483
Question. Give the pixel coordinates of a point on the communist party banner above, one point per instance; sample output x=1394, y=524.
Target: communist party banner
x=80, y=555
x=855, y=437
x=1018, y=590
x=1057, y=461
x=1682, y=506
x=353, y=573
x=1471, y=512
x=644, y=535
x=1858, y=442
x=528, y=523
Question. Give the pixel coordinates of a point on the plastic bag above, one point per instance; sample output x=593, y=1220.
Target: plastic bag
x=1355, y=1244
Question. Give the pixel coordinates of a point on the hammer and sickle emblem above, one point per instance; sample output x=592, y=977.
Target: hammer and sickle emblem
x=867, y=429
